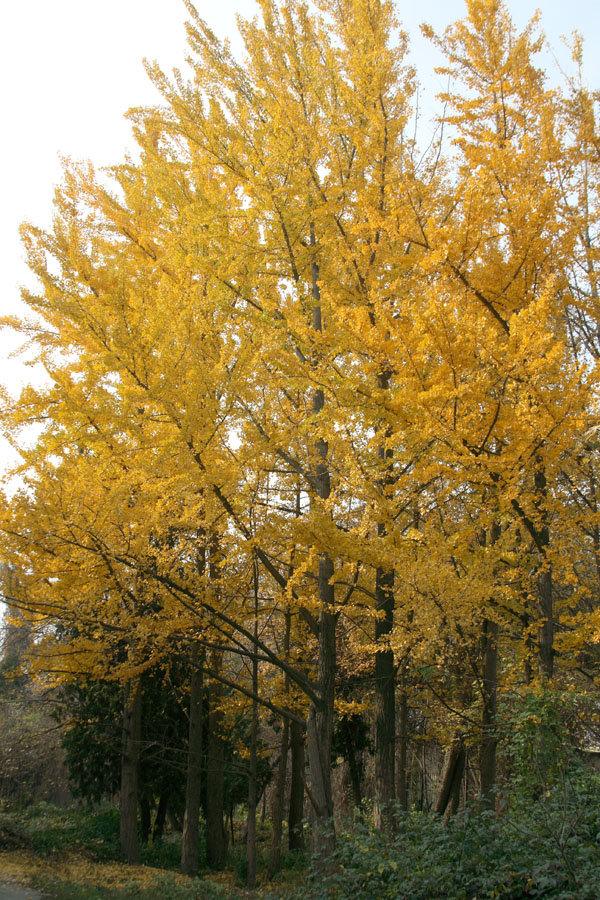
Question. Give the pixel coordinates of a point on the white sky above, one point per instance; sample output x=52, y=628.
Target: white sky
x=70, y=68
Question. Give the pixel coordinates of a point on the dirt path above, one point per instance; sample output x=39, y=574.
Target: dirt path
x=11, y=891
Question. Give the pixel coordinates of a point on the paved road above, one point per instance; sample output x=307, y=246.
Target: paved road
x=10, y=891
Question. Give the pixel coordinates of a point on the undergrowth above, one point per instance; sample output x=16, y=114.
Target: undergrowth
x=476, y=856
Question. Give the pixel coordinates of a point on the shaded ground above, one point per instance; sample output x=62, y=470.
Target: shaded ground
x=71, y=876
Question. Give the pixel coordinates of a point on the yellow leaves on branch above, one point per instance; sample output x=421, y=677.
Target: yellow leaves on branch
x=278, y=336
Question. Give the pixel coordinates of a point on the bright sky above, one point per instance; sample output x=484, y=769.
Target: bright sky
x=70, y=68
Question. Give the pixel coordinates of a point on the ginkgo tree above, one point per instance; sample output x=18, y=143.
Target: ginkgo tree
x=362, y=375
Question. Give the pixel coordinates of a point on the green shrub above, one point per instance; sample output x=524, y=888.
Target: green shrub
x=474, y=857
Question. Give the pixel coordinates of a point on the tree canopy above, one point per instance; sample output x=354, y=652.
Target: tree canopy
x=319, y=399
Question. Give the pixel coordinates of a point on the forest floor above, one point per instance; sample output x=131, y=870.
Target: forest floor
x=73, y=853
x=70, y=876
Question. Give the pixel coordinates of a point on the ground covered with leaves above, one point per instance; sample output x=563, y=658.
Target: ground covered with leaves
x=73, y=855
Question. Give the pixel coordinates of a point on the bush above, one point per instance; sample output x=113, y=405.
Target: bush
x=474, y=857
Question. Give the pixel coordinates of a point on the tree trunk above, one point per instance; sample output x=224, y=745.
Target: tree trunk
x=546, y=636
x=385, y=706
x=252, y=802
x=279, y=793
x=355, y=771
x=528, y=644
x=145, y=814
x=449, y=789
x=252, y=786
x=321, y=711
x=320, y=728
x=130, y=754
x=161, y=816
x=193, y=791
x=402, y=777
x=489, y=691
x=422, y=782
x=216, y=841
x=487, y=748
x=385, y=674
x=546, y=632
x=296, y=810
x=278, y=802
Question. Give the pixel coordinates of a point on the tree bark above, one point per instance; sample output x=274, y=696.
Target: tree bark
x=145, y=814
x=354, y=765
x=161, y=816
x=296, y=810
x=422, y=782
x=487, y=747
x=546, y=632
x=130, y=755
x=385, y=706
x=252, y=802
x=385, y=674
x=321, y=712
x=278, y=802
x=216, y=840
x=402, y=776
x=279, y=793
x=448, y=794
x=252, y=785
x=320, y=726
x=193, y=791
x=489, y=692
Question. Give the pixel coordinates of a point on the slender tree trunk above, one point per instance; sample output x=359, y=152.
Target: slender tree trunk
x=279, y=793
x=320, y=728
x=252, y=798
x=161, y=816
x=193, y=792
x=414, y=785
x=448, y=794
x=489, y=692
x=385, y=674
x=487, y=747
x=528, y=645
x=278, y=802
x=547, y=629
x=216, y=842
x=145, y=814
x=130, y=755
x=355, y=771
x=422, y=782
x=296, y=810
x=385, y=706
x=402, y=777
x=546, y=632
x=321, y=712
x=252, y=786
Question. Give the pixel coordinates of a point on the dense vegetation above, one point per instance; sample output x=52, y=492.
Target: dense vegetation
x=308, y=505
